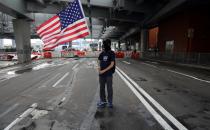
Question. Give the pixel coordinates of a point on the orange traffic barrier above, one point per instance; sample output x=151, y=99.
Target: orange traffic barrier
x=119, y=54
x=47, y=54
x=135, y=55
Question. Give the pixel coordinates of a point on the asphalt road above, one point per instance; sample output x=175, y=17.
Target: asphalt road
x=61, y=94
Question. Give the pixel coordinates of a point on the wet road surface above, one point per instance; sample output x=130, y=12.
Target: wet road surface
x=64, y=94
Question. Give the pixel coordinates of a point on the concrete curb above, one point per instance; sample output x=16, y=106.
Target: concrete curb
x=9, y=66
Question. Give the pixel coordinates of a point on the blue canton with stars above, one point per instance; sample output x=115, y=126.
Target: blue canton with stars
x=70, y=14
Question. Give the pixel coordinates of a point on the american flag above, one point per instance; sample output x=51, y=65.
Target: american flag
x=68, y=25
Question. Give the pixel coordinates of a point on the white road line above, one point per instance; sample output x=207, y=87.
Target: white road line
x=188, y=76
x=156, y=104
x=152, y=62
x=75, y=66
x=150, y=65
x=126, y=62
x=61, y=79
x=48, y=81
x=22, y=116
x=63, y=99
x=9, y=110
x=159, y=119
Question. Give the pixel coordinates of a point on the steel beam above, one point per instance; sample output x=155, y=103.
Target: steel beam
x=96, y=12
x=15, y=8
x=129, y=5
x=173, y=4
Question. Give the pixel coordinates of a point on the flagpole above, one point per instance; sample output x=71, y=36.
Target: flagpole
x=83, y=14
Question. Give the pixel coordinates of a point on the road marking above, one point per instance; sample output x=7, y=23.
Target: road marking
x=155, y=103
x=159, y=119
x=152, y=62
x=126, y=62
x=193, y=77
x=9, y=110
x=149, y=65
x=75, y=66
x=61, y=79
x=48, y=81
x=63, y=99
x=22, y=116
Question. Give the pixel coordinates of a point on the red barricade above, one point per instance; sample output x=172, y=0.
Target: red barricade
x=119, y=54
x=47, y=54
x=80, y=53
x=135, y=55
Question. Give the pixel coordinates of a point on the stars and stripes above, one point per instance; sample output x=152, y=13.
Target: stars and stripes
x=70, y=24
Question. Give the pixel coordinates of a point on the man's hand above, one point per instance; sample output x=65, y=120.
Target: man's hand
x=102, y=71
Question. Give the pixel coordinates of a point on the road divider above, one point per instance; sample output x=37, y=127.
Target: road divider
x=140, y=93
x=22, y=116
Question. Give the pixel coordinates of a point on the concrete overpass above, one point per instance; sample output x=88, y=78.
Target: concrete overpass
x=123, y=15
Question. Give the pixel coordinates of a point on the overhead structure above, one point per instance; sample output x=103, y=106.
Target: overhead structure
x=115, y=19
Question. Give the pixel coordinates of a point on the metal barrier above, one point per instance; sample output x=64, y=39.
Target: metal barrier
x=180, y=57
x=86, y=54
x=7, y=55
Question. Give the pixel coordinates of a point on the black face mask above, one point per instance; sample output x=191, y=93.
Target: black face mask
x=106, y=47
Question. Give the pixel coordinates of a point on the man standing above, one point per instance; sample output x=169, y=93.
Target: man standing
x=106, y=69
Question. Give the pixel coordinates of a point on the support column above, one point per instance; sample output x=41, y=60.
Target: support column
x=1, y=43
x=127, y=43
x=100, y=46
x=143, y=41
x=70, y=44
x=115, y=46
x=13, y=43
x=22, y=40
x=119, y=45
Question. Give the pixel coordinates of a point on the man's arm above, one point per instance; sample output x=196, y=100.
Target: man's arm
x=99, y=68
x=106, y=69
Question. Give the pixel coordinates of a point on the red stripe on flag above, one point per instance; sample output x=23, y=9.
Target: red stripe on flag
x=70, y=39
x=68, y=29
x=74, y=38
x=76, y=25
x=46, y=22
x=50, y=33
x=45, y=31
x=75, y=32
x=59, y=38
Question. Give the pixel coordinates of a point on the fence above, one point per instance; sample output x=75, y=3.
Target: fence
x=180, y=57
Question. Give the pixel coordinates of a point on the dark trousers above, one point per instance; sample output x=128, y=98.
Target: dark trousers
x=106, y=82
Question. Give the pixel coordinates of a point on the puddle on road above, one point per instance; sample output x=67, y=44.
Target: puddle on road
x=23, y=71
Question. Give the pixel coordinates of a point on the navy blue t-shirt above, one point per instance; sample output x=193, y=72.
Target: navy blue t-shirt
x=105, y=59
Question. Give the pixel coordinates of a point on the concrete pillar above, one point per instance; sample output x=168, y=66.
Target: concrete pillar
x=143, y=41
x=13, y=43
x=119, y=45
x=70, y=44
x=100, y=46
x=127, y=45
x=22, y=40
x=1, y=43
x=115, y=46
